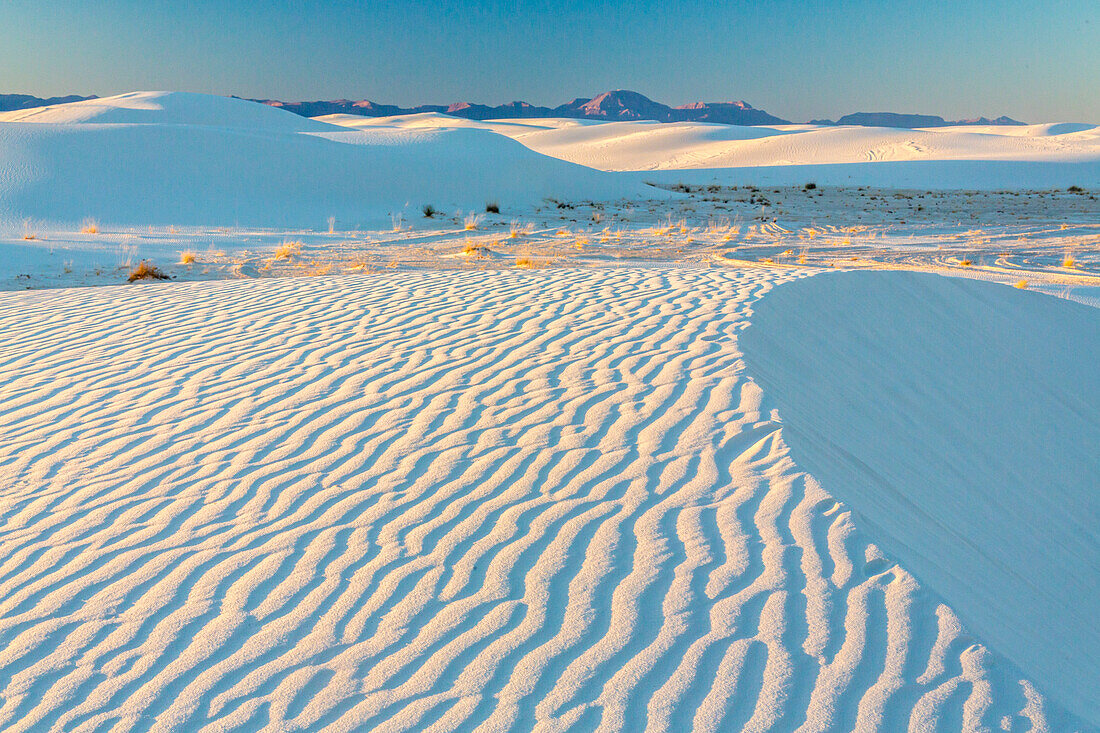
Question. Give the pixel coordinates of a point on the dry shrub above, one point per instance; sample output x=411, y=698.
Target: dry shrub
x=146, y=271
x=89, y=226
x=287, y=250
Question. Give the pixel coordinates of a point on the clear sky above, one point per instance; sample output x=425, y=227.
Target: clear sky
x=1036, y=60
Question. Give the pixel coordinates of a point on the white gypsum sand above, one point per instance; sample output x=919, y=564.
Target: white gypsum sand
x=961, y=419
x=443, y=500
x=988, y=157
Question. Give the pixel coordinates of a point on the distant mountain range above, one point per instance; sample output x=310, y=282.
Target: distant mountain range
x=9, y=102
x=893, y=119
x=618, y=105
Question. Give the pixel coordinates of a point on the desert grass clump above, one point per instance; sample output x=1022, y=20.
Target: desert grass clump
x=187, y=258
x=810, y=186
x=89, y=226
x=515, y=229
x=428, y=210
x=1069, y=261
x=471, y=221
x=288, y=250
x=473, y=249
x=965, y=263
x=1020, y=285
x=146, y=271
x=525, y=262
x=492, y=207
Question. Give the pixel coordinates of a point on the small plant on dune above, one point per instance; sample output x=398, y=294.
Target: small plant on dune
x=515, y=229
x=1075, y=189
x=428, y=210
x=492, y=207
x=397, y=221
x=965, y=263
x=472, y=249
x=1021, y=285
x=471, y=221
x=187, y=258
x=810, y=186
x=332, y=225
x=526, y=262
x=1069, y=261
x=286, y=250
x=89, y=226
x=146, y=271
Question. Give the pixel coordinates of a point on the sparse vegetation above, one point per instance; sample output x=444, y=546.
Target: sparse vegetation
x=1075, y=189
x=89, y=226
x=492, y=207
x=1069, y=261
x=428, y=210
x=146, y=271
x=515, y=229
x=187, y=258
x=471, y=221
x=1021, y=285
x=287, y=250
x=810, y=186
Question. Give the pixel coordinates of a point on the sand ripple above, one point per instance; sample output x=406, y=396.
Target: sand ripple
x=509, y=500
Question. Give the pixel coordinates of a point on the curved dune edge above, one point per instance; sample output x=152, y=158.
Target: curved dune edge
x=959, y=419
x=441, y=501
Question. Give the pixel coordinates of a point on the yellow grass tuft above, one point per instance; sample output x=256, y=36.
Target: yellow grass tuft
x=187, y=258
x=287, y=250
x=471, y=221
x=1069, y=261
x=527, y=262
x=965, y=263
x=1021, y=284
x=515, y=229
x=146, y=271
x=89, y=226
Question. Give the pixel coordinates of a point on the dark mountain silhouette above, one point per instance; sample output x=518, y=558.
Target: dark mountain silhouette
x=893, y=119
x=9, y=102
x=617, y=105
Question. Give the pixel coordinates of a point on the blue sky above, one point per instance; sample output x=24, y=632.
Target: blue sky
x=1036, y=60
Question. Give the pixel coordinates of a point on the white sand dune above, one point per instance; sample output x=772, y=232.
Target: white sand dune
x=160, y=158
x=961, y=420
x=168, y=108
x=436, y=501
x=1013, y=157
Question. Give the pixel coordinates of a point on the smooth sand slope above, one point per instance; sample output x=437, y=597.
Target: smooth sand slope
x=439, y=501
x=961, y=420
x=1032, y=156
x=160, y=158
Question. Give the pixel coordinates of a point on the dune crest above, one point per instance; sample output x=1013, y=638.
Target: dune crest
x=960, y=420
